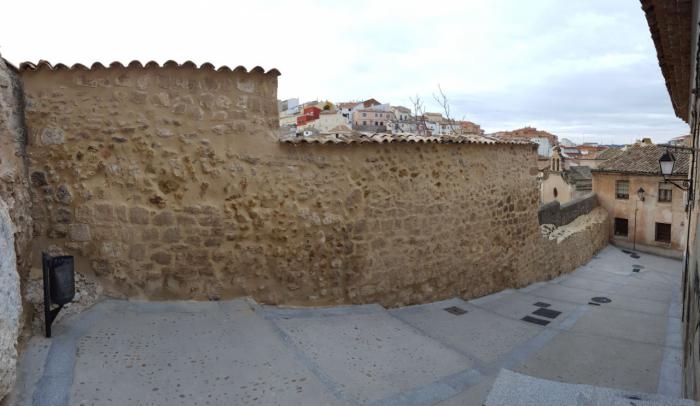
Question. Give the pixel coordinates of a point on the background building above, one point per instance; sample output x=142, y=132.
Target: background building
x=654, y=222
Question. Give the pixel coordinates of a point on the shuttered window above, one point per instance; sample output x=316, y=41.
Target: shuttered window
x=622, y=189
x=665, y=192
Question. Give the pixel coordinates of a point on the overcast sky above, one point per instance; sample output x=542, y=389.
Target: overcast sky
x=582, y=69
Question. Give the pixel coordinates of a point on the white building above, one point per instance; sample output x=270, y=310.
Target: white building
x=327, y=120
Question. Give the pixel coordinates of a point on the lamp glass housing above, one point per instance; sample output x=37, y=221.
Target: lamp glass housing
x=666, y=164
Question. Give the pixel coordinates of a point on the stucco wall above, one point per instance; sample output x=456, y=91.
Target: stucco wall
x=15, y=222
x=553, y=181
x=649, y=212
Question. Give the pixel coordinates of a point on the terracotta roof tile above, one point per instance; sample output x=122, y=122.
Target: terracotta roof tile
x=381, y=138
x=24, y=66
x=643, y=160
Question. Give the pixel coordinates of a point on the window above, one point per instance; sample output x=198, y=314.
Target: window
x=663, y=232
x=364, y=114
x=622, y=189
x=620, y=227
x=555, y=192
x=665, y=192
x=364, y=123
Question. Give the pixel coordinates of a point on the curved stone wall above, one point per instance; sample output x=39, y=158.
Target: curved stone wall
x=171, y=183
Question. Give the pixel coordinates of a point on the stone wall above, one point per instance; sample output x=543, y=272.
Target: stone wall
x=171, y=183
x=562, y=214
x=563, y=249
x=15, y=222
x=14, y=185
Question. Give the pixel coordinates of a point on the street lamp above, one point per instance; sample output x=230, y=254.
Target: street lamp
x=667, y=164
x=640, y=193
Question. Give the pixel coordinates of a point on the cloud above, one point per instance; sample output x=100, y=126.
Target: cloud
x=585, y=70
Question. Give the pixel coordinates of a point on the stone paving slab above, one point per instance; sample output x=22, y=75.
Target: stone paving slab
x=519, y=305
x=211, y=353
x=654, y=293
x=473, y=396
x=478, y=334
x=30, y=371
x=371, y=356
x=633, y=326
x=597, y=360
x=563, y=293
x=581, y=282
x=511, y=388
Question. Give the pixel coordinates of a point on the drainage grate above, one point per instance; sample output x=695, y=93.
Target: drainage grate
x=548, y=313
x=457, y=311
x=601, y=299
x=594, y=304
x=634, y=255
x=635, y=269
x=535, y=320
x=542, y=304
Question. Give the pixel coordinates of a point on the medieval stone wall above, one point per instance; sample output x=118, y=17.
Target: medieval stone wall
x=15, y=222
x=171, y=183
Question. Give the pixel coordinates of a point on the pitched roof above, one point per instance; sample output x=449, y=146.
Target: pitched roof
x=577, y=173
x=671, y=23
x=608, y=153
x=643, y=159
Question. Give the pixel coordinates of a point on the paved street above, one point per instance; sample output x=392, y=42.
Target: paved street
x=602, y=325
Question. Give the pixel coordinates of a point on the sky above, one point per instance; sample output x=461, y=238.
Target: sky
x=582, y=69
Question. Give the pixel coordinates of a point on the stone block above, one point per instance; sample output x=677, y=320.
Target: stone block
x=162, y=258
x=164, y=218
x=139, y=215
x=79, y=232
x=104, y=213
x=52, y=136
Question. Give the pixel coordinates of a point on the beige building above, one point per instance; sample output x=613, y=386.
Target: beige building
x=371, y=119
x=562, y=182
x=646, y=213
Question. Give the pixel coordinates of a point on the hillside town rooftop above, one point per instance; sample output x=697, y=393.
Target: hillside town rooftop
x=643, y=159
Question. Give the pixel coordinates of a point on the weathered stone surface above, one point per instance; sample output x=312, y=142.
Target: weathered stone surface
x=10, y=302
x=139, y=215
x=79, y=232
x=16, y=227
x=216, y=207
x=52, y=136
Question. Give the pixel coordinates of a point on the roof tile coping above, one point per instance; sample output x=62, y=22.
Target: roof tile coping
x=42, y=64
x=385, y=138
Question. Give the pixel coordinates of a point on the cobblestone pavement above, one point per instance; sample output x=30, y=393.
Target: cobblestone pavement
x=614, y=322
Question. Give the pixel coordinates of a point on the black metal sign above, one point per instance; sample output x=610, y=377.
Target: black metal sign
x=59, y=286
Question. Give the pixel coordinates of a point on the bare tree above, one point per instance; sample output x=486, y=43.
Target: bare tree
x=419, y=115
x=441, y=99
